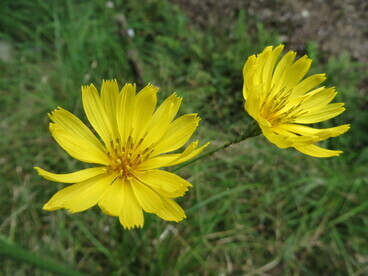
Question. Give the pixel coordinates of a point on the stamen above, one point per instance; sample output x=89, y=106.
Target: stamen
x=271, y=108
x=126, y=158
x=136, y=159
x=129, y=143
x=139, y=143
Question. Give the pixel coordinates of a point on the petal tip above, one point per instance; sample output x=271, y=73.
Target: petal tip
x=38, y=169
x=48, y=207
x=130, y=226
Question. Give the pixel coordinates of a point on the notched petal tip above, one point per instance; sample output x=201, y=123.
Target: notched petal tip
x=282, y=46
x=196, y=117
x=86, y=88
x=153, y=87
x=306, y=58
x=206, y=145
x=71, y=211
x=174, y=97
x=291, y=52
x=131, y=227
x=180, y=219
x=38, y=170
x=48, y=207
x=335, y=154
x=339, y=130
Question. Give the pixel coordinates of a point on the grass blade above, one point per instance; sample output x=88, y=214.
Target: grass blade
x=13, y=251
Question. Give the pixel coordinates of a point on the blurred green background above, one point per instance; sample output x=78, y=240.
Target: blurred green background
x=254, y=209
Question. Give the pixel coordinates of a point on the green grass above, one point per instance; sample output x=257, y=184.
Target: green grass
x=254, y=209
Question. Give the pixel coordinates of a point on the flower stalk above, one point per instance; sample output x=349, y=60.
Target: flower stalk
x=252, y=130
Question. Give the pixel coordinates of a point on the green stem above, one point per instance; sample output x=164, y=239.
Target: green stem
x=252, y=130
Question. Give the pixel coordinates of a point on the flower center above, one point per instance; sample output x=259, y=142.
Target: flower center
x=126, y=157
x=274, y=110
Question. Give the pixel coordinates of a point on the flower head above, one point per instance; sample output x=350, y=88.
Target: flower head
x=282, y=102
x=135, y=141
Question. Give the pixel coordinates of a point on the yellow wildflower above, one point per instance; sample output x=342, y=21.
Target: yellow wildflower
x=136, y=140
x=282, y=102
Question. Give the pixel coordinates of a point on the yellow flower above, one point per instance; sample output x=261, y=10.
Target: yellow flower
x=136, y=140
x=282, y=102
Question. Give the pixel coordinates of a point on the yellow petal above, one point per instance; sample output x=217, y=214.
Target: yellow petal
x=81, y=196
x=171, y=211
x=124, y=110
x=316, y=151
x=96, y=114
x=165, y=183
x=294, y=106
x=73, y=177
x=161, y=120
x=131, y=212
x=298, y=141
x=78, y=148
x=157, y=162
x=297, y=71
x=269, y=67
x=281, y=70
x=170, y=105
x=254, y=101
x=68, y=121
x=190, y=152
x=144, y=105
x=109, y=98
x=172, y=159
x=177, y=134
x=294, y=140
x=313, y=100
x=112, y=201
x=321, y=133
x=318, y=114
x=249, y=70
x=262, y=59
x=147, y=198
x=277, y=139
x=307, y=85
